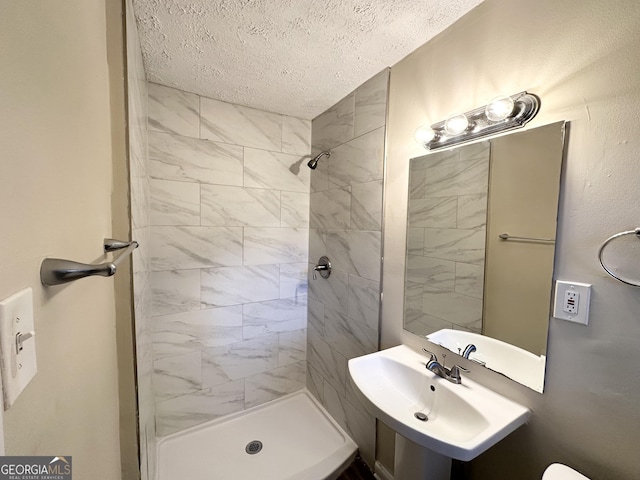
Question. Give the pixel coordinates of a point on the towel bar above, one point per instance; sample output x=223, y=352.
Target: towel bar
x=506, y=236
x=56, y=271
x=635, y=232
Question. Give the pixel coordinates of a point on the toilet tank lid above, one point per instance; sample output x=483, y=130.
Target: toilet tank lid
x=557, y=471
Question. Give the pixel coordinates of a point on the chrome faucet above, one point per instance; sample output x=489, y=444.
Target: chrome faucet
x=435, y=367
x=453, y=374
x=468, y=350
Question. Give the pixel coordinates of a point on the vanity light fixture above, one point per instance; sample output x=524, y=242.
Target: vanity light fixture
x=499, y=108
x=456, y=124
x=423, y=135
x=501, y=114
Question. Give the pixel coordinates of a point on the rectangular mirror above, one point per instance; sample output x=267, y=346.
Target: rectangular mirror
x=481, y=227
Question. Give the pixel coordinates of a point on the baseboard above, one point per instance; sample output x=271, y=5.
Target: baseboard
x=381, y=473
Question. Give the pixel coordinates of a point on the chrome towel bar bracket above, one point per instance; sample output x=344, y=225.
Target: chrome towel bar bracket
x=56, y=271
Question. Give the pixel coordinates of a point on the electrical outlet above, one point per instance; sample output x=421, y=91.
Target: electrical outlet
x=572, y=301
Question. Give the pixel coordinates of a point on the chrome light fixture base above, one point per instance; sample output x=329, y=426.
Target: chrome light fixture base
x=526, y=106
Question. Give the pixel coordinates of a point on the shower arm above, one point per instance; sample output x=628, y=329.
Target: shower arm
x=313, y=163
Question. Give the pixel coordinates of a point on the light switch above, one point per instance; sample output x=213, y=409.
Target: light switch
x=17, y=344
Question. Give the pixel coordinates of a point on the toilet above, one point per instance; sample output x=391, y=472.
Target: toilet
x=557, y=471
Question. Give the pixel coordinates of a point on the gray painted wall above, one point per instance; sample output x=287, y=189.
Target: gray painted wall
x=580, y=57
x=55, y=201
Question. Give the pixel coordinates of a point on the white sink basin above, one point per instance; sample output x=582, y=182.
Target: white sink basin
x=463, y=420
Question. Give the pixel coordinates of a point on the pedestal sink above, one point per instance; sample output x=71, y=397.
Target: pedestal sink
x=434, y=419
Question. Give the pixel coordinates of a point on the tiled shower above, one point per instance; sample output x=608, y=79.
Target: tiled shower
x=229, y=243
x=345, y=225
x=137, y=103
x=231, y=221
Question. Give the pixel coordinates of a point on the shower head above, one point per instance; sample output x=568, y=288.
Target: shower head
x=314, y=162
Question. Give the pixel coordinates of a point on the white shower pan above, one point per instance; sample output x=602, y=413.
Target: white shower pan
x=298, y=441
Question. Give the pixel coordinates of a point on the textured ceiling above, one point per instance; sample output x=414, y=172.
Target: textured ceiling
x=295, y=57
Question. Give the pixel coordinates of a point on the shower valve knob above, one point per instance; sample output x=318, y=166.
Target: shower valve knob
x=323, y=266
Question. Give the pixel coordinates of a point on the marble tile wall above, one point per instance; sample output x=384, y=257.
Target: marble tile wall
x=345, y=225
x=447, y=217
x=140, y=225
x=229, y=251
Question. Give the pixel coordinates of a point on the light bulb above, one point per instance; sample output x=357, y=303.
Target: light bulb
x=499, y=108
x=424, y=135
x=456, y=124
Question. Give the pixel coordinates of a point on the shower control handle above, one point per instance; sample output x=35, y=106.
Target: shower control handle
x=323, y=266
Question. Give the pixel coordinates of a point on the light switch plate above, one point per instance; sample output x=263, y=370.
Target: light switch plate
x=572, y=301
x=18, y=365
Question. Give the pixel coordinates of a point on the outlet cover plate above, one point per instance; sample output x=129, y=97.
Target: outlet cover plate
x=584, y=298
x=18, y=367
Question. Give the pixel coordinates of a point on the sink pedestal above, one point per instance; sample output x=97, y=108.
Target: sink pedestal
x=413, y=462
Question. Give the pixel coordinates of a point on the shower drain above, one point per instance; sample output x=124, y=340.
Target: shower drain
x=253, y=447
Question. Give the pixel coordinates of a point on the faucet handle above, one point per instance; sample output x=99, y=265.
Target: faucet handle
x=323, y=266
x=432, y=356
x=459, y=367
x=454, y=373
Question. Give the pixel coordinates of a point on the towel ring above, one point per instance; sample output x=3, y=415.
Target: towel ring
x=635, y=232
